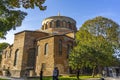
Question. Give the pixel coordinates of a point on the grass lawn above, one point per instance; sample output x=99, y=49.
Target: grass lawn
x=3, y=79
x=69, y=78
x=63, y=78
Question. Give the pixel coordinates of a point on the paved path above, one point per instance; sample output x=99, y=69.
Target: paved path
x=110, y=78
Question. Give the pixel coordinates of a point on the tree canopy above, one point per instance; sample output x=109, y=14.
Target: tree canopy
x=105, y=27
x=95, y=44
x=3, y=46
x=90, y=51
x=11, y=17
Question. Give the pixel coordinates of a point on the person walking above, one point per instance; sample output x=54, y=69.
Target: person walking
x=26, y=74
x=41, y=74
x=78, y=73
x=104, y=73
x=55, y=73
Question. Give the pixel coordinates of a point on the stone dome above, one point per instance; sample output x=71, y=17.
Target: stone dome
x=59, y=22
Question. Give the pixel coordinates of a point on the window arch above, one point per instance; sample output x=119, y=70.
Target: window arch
x=46, y=49
x=50, y=24
x=69, y=25
x=57, y=23
x=10, y=52
x=6, y=54
x=68, y=50
x=45, y=26
x=60, y=47
x=16, y=57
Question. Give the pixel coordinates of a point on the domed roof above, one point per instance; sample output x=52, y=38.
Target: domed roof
x=57, y=23
x=60, y=18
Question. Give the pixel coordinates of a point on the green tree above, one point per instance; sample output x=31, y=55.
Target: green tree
x=2, y=46
x=97, y=41
x=91, y=51
x=105, y=27
x=11, y=17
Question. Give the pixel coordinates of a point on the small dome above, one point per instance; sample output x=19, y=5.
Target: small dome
x=59, y=22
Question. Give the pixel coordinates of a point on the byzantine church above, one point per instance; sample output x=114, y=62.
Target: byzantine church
x=44, y=49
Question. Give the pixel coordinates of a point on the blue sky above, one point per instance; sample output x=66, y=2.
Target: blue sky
x=79, y=10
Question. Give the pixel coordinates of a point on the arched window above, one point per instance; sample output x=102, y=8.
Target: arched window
x=60, y=47
x=57, y=23
x=68, y=50
x=10, y=52
x=69, y=25
x=6, y=54
x=16, y=57
x=46, y=49
x=45, y=26
x=50, y=24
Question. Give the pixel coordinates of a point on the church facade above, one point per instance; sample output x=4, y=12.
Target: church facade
x=43, y=49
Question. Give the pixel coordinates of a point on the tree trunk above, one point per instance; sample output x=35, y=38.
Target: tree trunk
x=93, y=72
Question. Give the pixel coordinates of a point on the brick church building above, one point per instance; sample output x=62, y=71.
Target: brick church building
x=43, y=49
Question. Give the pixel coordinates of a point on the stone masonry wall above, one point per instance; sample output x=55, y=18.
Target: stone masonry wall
x=18, y=45
x=61, y=61
x=48, y=59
